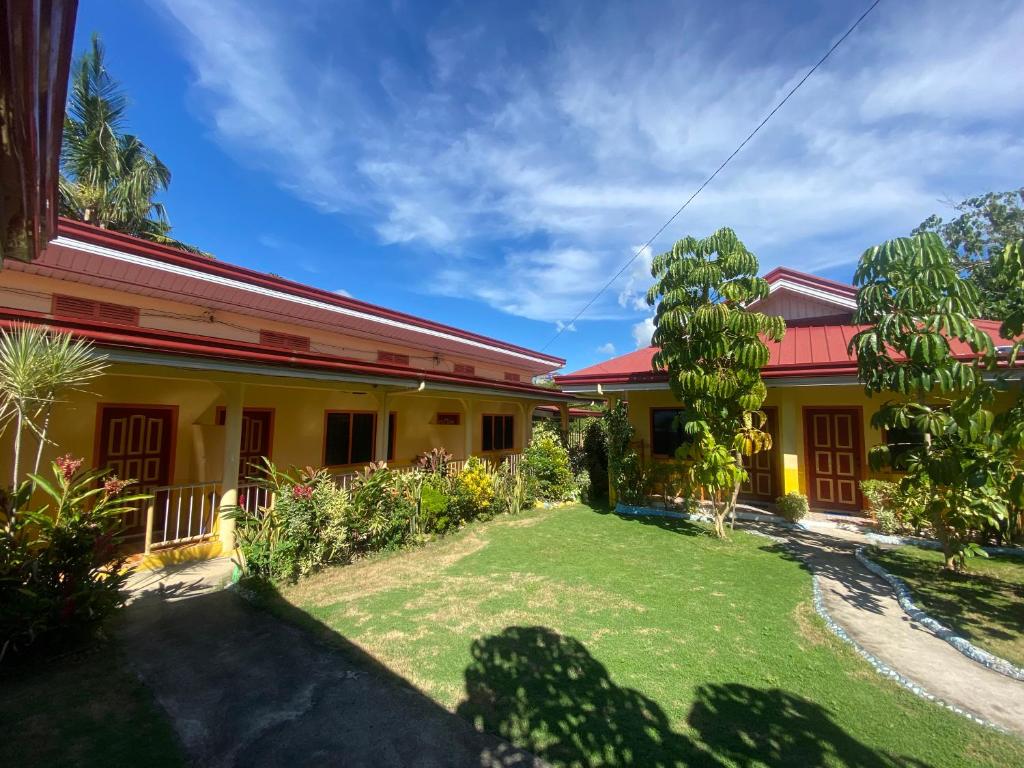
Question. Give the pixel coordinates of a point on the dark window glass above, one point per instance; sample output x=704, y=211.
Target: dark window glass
x=666, y=431
x=362, y=437
x=498, y=433
x=392, y=423
x=339, y=426
x=349, y=438
x=900, y=441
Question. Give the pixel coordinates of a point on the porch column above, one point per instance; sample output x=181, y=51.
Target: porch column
x=467, y=406
x=232, y=445
x=527, y=429
x=381, y=440
x=612, y=496
x=563, y=419
x=790, y=434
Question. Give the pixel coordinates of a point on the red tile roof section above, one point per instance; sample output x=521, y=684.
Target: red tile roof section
x=805, y=351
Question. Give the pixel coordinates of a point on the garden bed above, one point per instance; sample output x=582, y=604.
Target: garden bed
x=587, y=638
x=985, y=605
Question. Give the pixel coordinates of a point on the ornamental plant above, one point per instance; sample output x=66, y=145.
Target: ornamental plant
x=474, y=490
x=546, y=465
x=61, y=572
x=914, y=301
x=713, y=348
x=623, y=461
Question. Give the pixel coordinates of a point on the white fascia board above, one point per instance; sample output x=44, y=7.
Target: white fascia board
x=814, y=293
x=193, y=274
x=593, y=388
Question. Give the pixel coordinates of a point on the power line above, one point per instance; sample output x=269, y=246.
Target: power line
x=711, y=178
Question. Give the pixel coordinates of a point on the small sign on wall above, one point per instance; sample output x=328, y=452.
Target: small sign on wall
x=448, y=419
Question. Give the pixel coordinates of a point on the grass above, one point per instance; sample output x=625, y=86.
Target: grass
x=985, y=605
x=595, y=640
x=82, y=710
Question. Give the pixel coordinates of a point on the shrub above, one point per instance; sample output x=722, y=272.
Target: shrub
x=546, y=464
x=473, y=491
x=793, y=506
x=435, y=461
x=60, y=572
x=894, y=510
x=511, y=491
x=436, y=510
x=633, y=479
x=384, y=506
x=581, y=480
x=306, y=527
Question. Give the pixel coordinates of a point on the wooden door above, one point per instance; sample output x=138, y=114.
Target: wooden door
x=834, y=450
x=137, y=443
x=257, y=436
x=763, y=467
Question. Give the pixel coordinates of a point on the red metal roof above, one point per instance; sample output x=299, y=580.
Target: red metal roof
x=76, y=264
x=813, y=281
x=815, y=350
x=111, y=336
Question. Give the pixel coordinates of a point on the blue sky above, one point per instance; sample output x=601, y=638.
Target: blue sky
x=490, y=165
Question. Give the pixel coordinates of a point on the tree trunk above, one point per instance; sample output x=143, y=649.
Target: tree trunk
x=735, y=496
x=721, y=509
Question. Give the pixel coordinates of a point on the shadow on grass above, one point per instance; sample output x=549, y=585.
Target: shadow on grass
x=946, y=596
x=674, y=524
x=546, y=693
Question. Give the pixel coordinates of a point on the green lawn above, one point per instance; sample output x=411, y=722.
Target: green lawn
x=985, y=605
x=82, y=710
x=595, y=640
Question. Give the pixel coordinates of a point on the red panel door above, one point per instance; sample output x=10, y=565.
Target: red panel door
x=136, y=443
x=257, y=427
x=834, y=450
x=762, y=468
x=257, y=431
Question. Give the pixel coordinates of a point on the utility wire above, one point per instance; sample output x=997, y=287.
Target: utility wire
x=711, y=178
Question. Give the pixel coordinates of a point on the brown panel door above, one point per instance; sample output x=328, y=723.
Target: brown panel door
x=763, y=467
x=136, y=443
x=834, y=450
x=257, y=434
x=257, y=428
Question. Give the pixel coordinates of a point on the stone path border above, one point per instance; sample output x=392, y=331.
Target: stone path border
x=884, y=669
x=917, y=541
x=962, y=644
x=819, y=605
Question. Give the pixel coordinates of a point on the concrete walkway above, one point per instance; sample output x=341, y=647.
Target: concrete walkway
x=866, y=607
x=244, y=688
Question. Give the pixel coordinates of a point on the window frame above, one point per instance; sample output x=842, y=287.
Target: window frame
x=511, y=432
x=351, y=425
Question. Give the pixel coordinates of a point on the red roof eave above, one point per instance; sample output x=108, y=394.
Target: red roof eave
x=78, y=230
x=108, y=335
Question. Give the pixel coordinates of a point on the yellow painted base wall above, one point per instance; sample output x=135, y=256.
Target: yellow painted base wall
x=790, y=402
x=299, y=417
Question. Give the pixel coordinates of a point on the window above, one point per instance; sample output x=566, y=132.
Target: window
x=499, y=432
x=448, y=419
x=464, y=370
x=392, y=434
x=89, y=309
x=394, y=358
x=284, y=341
x=348, y=438
x=901, y=440
x=512, y=377
x=666, y=431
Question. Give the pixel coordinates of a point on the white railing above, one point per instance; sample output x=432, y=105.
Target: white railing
x=253, y=497
x=180, y=514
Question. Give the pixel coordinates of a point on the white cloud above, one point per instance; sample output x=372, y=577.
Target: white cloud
x=560, y=326
x=343, y=292
x=642, y=332
x=587, y=139
x=606, y=349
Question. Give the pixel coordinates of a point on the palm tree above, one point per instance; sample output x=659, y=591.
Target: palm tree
x=108, y=177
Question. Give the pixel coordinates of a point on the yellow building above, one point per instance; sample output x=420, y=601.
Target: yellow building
x=212, y=366
x=818, y=414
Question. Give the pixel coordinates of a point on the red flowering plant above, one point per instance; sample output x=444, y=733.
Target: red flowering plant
x=61, y=567
x=302, y=527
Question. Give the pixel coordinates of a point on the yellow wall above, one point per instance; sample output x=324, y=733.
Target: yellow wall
x=299, y=409
x=790, y=402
